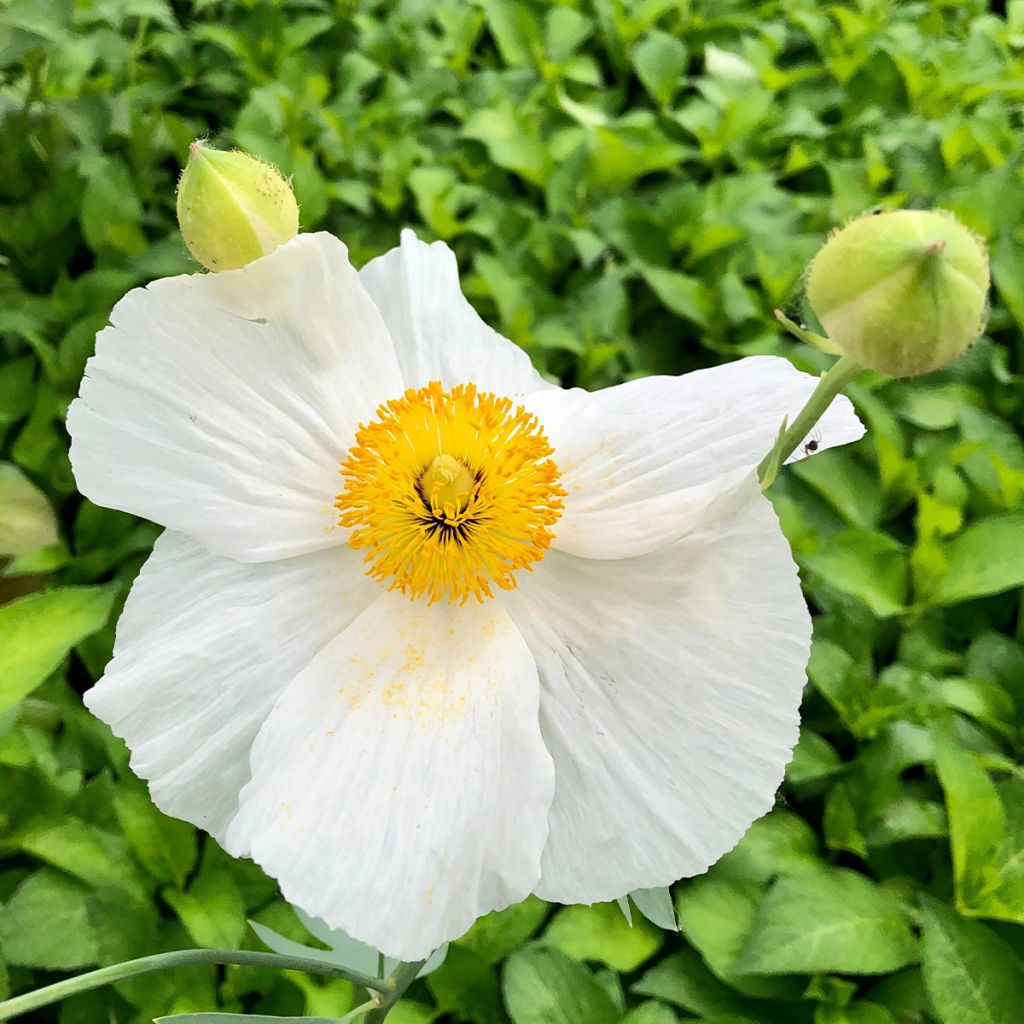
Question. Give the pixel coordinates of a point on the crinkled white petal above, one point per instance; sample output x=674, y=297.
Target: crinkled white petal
x=670, y=689
x=204, y=647
x=221, y=405
x=438, y=335
x=642, y=459
x=400, y=786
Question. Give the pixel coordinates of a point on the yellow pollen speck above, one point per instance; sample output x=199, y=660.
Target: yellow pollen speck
x=450, y=491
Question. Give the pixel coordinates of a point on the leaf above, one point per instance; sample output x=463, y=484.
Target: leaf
x=496, y=934
x=46, y=924
x=986, y=828
x=111, y=214
x=685, y=295
x=212, y=908
x=828, y=920
x=38, y=631
x=715, y=914
x=660, y=61
x=27, y=521
x=511, y=142
x=777, y=844
x=651, y=1013
x=600, y=932
x=987, y=558
x=867, y=565
x=684, y=980
x=543, y=986
x=165, y=846
x=249, y=1018
x=95, y=856
x=971, y=975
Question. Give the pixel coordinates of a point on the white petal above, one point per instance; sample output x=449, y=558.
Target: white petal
x=221, y=405
x=400, y=787
x=438, y=335
x=670, y=689
x=204, y=647
x=641, y=459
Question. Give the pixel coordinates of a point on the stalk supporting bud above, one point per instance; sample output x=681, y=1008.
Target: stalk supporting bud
x=233, y=208
x=902, y=293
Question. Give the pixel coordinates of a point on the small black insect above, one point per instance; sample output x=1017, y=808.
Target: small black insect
x=812, y=444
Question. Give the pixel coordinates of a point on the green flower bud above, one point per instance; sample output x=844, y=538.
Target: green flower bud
x=233, y=208
x=903, y=292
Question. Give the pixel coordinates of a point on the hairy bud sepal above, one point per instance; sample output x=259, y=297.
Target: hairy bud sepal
x=902, y=292
x=233, y=208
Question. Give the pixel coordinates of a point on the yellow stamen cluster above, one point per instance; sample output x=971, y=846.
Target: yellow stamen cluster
x=449, y=492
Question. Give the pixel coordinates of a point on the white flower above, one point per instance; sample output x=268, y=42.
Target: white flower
x=611, y=714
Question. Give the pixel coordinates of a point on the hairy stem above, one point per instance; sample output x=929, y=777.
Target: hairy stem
x=843, y=370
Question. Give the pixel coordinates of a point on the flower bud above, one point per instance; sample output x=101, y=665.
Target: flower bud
x=902, y=292
x=233, y=208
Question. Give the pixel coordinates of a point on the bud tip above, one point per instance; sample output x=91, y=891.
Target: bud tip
x=233, y=208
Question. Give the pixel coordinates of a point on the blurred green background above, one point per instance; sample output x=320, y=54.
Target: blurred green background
x=631, y=188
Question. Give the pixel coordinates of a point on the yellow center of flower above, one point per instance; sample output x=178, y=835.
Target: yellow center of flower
x=450, y=492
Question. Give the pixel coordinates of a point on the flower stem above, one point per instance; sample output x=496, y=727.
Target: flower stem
x=181, y=958
x=842, y=371
x=401, y=978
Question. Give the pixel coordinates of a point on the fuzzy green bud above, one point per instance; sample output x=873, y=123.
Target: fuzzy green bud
x=233, y=208
x=903, y=292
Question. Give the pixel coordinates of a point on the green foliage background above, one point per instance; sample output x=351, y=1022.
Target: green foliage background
x=631, y=187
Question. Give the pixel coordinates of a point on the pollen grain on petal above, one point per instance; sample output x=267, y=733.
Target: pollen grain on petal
x=450, y=492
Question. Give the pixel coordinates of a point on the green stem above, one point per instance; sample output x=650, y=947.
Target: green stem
x=180, y=958
x=402, y=977
x=843, y=370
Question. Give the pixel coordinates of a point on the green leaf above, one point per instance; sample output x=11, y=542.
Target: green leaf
x=828, y=920
x=249, y=1018
x=495, y=935
x=600, y=932
x=165, y=846
x=46, y=924
x=543, y=986
x=95, y=856
x=777, y=844
x=867, y=565
x=715, y=914
x=684, y=980
x=987, y=558
x=38, y=631
x=660, y=61
x=986, y=827
x=212, y=908
x=685, y=295
x=971, y=975
x=651, y=1013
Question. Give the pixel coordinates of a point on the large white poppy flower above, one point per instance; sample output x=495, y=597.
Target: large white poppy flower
x=425, y=633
